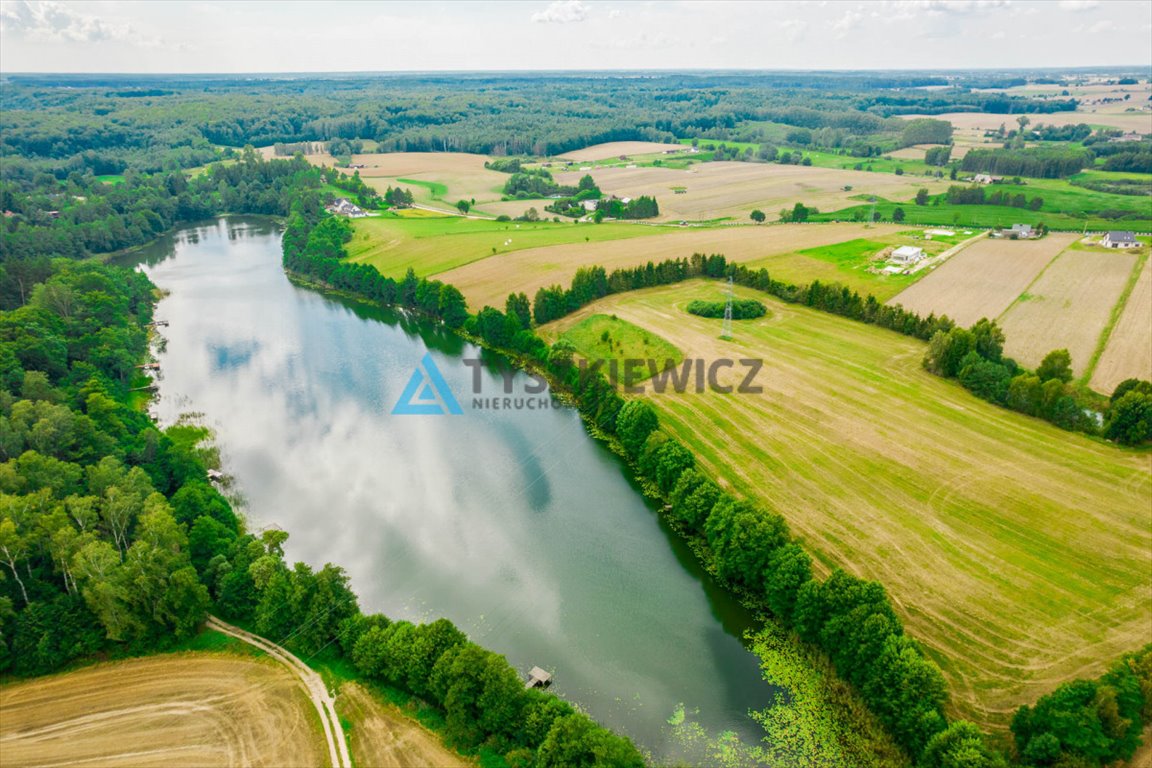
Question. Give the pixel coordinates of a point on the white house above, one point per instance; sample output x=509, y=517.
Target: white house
x=345, y=207
x=589, y=205
x=906, y=255
x=984, y=178
x=1119, y=240
x=1021, y=231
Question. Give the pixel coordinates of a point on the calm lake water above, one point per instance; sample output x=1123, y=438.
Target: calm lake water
x=516, y=525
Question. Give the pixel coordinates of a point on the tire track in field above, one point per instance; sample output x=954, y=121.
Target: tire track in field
x=313, y=684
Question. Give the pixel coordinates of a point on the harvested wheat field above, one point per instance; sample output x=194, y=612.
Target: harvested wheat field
x=187, y=709
x=1140, y=122
x=1067, y=307
x=1129, y=350
x=1015, y=552
x=731, y=189
x=615, y=149
x=453, y=175
x=490, y=280
x=983, y=279
x=382, y=737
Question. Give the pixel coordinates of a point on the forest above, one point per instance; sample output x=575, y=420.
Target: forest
x=62, y=124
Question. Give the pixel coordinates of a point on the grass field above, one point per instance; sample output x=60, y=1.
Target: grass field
x=1129, y=350
x=1015, y=552
x=1068, y=306
x=432, y=244
x=733, y=189
x=489, y=281
x=848, y=262
x=185, y=709
x=982, y=280
x=605, y=337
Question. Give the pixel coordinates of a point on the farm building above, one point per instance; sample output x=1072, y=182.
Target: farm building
x=345, y=207
x=1021, y=231
x=984, y=178
x=907, y=254
x=1118, y=240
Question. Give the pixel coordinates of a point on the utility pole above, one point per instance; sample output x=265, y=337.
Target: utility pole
x=726, y=333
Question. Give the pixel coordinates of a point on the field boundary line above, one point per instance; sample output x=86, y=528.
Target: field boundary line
x=1019, y=298
x=1113, y=319
x=317, y=691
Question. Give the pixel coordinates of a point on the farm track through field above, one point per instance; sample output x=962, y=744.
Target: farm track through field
x=313, y=683
x=982, y=280
x=1068, y=306
x=1128, y=353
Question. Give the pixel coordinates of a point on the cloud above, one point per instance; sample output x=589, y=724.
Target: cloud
x=47, y=21
x=849, y=21
x=793, y=29
x=907, y=9
x=562, y=12
x=1078, y=5
x=1104, y=25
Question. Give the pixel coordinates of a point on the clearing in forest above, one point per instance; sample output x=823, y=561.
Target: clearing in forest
x=1067, y=307
x=983, y=279
x=179, y=709
x=1017, y=553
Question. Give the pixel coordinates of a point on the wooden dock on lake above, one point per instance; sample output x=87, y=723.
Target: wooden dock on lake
x=538, y=678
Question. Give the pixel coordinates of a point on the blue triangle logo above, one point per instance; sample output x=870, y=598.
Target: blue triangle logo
x=427, y=393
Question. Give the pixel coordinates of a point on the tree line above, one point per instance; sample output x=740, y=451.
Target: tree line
x=977, y=195
x=1035, y=162
x=974, y=357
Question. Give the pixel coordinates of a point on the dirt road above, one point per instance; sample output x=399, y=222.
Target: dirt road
x=317, y=691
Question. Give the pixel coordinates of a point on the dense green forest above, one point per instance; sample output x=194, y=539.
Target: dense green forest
x=68, y=123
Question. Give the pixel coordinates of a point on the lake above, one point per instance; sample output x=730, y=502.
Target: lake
x=513, y=523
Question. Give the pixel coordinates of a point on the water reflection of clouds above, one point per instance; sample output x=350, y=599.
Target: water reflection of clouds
x=514, y=524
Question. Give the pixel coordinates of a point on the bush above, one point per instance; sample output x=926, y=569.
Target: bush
x=742, y=309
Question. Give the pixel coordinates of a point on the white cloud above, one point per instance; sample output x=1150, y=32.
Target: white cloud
x=562, y=12
x=793, y=29
x=849, y=21
x=1079, y=5
x=47, y=21
x=1104, y=25
x=908, y=9
x=615, y=13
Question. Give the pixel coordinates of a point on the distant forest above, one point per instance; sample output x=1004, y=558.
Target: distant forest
x=106, y=125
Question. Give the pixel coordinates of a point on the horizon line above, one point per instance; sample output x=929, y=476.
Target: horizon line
x=664, y=70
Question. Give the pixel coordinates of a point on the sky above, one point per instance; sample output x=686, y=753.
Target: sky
x=350, y=36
